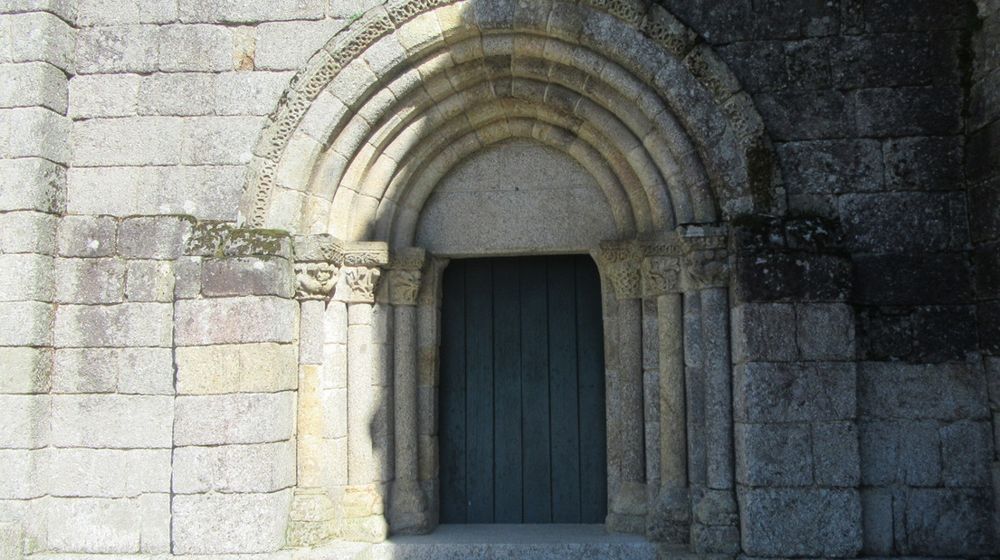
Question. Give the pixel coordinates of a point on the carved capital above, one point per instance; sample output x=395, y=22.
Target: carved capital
x=315, y=280
x=405, y=267
x=706, y=261
x=361, y=282
x=622, y=261
x=661, y=275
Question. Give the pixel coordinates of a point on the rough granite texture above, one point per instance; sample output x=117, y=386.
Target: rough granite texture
x=812, y=370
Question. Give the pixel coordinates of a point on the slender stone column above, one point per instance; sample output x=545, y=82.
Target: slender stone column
x=311, y=518
x=706, y=273
x=407, y=504
x=620, y=263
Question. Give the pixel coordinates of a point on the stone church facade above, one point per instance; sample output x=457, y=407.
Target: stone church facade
x=225, y=229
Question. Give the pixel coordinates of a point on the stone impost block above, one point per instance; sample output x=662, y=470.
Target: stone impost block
x=241, y=418
x=112, y=421
x=27, y=232
x=87, y=236
x=115, y=49
x=35, y=132
x=90, y=281
x=143, y=371
x=33, y=84
x=26, y=370
x=248, y=276
x=764, y=332
x=236, y=320
x=32, y=184
x=939, y=391
x=154, y=237
x=26, y=421
x=802, y=522
x=236, y=368
x=121, y=325
x=234, y=468
x=774, y=454
x=230, y=523
x=774, y=392
x=149, y=280
x=103, y=95
x=108, y=473
x=25, y=277
x=26, y=323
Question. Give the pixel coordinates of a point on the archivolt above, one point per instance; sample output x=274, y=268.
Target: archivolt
x=394, y=102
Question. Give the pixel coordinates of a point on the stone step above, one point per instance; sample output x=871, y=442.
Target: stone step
x=507, y=542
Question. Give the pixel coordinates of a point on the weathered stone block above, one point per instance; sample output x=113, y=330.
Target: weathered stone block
x=41, y=36
x=248, y=276
x=180, y=94
x=230, y=523
x=26, y=421
x=287, y=46
x=800, y=522
x=90, y=281
x=220, y=140
x=774, y=454
x=878, y=521
x=242, y=418
x=195, y=48
x=924, y=279
x=33, y=84
x=96, y=421
x=94, y=525
x=925, y=164
x=27, y=232
x=764, y=332
x=32, y=184
x=950, y=522
x=125, y=324
x=145, y=371
x=805, y=115
x=831, y=166
x=825, y=331
x=769, y=392
x=250, y=93
x=232, y=368
x=25, y=474
x=26, y=370
x=87, y=236
x=912, y=111
x=11, y=540
x=118, y=12
x=103, y=95
x=883, y=223
x=127, y=141
x=149, y=280
x=900, y=452
x=108, y=473
x=966, y=454
x=234, y=468
x=26, y=323
x=154, y=237
x=248, y=11
x=767, y=277
x=236, y=320
x=35, y=132
x=941, y=391
x=26, y=277
x=836, y=456
x=125, y=48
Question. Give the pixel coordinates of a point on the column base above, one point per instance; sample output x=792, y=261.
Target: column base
x=669, y=521
x=310, y=519
x=408, y=509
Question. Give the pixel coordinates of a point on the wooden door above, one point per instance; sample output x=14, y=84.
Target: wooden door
x=522, y=418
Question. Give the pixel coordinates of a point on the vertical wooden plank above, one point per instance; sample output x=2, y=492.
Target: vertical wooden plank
x=535, y=393
x=507, y=391
x=452, y=420
x=479, y=390
x=563, y=391
x=590, y=353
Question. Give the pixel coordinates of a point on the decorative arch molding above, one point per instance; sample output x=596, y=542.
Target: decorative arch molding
x=379, y=118
x=366, y=100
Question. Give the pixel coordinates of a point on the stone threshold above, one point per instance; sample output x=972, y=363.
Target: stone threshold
x=514, y=542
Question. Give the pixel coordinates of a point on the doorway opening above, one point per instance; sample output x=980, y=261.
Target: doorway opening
x=522, y=389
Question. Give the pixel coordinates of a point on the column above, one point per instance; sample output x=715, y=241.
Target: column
x=408, y=507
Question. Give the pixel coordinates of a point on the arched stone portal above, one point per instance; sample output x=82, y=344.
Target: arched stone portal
x=383, y=114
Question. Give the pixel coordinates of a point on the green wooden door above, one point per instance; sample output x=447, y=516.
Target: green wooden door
x=522, y=425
